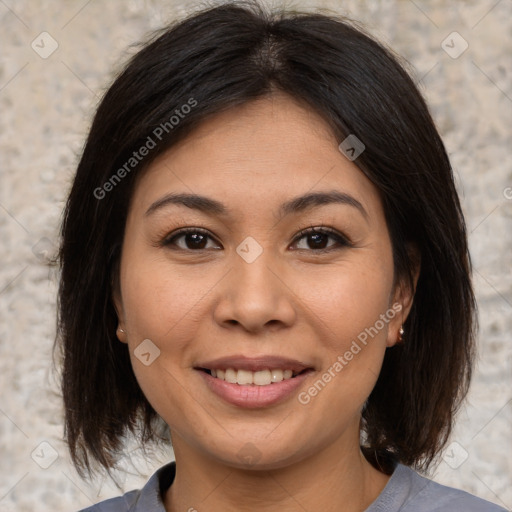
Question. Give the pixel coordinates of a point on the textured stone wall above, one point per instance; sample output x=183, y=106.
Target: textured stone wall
x=57, y=57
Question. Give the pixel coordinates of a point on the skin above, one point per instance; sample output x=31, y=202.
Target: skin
x=293, y=301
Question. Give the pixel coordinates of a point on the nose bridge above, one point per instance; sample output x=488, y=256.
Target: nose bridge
x=253, y=294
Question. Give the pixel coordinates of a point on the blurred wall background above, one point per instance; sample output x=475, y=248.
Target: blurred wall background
x=56, y=58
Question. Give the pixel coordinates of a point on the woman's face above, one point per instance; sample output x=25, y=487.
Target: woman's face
x=246, y=290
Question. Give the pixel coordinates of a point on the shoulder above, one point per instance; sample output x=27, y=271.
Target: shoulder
x=408, y=491
x=147, y=499
x=122, y=503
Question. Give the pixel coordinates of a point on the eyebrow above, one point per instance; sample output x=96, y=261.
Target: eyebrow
x=296, y=205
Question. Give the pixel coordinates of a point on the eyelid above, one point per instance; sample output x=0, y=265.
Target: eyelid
x=341, y=238
x=307, y=230
x=166, y=240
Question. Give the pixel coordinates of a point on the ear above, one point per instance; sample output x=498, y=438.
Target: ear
x=402, y=296
x=118, y=306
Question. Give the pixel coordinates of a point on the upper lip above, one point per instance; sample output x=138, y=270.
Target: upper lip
x=254, y=364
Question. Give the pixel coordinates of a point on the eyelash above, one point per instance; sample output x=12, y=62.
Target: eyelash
x=342, y=240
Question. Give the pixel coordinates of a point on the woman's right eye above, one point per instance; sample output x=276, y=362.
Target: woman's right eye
x=193, y=239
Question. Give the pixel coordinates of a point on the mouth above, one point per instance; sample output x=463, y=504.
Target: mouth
x=254, y=371
x=264, y=377
x=254, y=383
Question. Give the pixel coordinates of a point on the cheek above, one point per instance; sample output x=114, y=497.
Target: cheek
x=351, y=335
x=351, y=299
x=353, y=314
x=158, y=298
x=160, y=305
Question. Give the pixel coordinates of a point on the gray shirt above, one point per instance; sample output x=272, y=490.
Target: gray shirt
x=406, y=491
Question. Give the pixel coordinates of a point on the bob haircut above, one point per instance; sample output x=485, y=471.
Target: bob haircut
x=216, y=59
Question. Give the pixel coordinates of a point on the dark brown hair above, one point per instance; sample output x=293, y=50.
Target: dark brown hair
x=223, y=57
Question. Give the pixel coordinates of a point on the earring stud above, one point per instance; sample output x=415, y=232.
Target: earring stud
x=400, y=334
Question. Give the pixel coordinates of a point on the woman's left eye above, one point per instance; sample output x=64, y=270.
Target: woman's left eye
x=316, y=239
x=318, y=236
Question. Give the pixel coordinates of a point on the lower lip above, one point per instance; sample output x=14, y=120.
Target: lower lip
x=252, y=396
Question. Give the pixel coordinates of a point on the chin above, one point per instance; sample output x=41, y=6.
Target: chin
x=260, y=455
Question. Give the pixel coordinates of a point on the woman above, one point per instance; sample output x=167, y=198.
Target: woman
x=263, y=253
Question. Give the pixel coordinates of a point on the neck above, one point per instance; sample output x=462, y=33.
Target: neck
x=346, y=479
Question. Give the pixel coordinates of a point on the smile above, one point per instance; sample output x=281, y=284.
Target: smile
x=258, y=378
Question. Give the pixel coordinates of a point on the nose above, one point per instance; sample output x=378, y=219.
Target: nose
x=256, y=296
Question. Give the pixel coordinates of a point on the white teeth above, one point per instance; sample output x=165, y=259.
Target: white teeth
x=246, y=377
x=230, y=376
x=262, y=378
x=276, y=375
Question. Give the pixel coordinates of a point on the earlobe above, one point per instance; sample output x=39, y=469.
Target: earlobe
x=121, y=335
x=404, y=296
x=118, y=306
x=402, y=302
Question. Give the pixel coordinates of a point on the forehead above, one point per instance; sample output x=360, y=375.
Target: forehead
x=254, y=155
